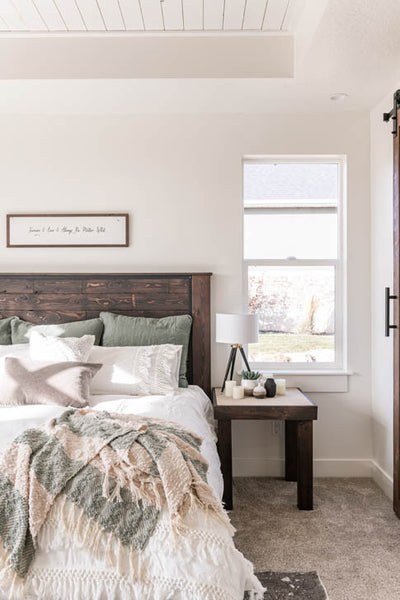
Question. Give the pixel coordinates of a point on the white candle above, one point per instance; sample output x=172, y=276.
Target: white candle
x=238, y=392
x=229, y=385
x=280, y=387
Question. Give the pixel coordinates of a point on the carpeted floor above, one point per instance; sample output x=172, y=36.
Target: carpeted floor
x=351, y=538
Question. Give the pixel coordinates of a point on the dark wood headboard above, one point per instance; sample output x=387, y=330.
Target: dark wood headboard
x=62, y=297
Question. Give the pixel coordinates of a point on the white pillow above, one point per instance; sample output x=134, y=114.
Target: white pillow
x=17, y=350
x=48, y=348
x=136, y=370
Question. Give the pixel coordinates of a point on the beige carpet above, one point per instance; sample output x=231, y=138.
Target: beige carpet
x=352, y=537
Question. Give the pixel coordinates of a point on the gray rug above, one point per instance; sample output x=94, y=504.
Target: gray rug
x=292, y=586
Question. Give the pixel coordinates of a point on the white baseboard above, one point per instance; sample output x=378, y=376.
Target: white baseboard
x=323, y=467
x=383, y=479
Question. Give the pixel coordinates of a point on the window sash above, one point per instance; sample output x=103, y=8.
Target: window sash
x=340, y=358
x=300, y=210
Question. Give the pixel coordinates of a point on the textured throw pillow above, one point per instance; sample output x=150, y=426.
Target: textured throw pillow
x=136, y=371
x=55, y=349
x=21, y=330
x=5, y=331
x=15, y=350
x=63, y=383
x=120, y=330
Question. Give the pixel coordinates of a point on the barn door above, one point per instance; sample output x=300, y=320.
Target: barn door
x=392, y=298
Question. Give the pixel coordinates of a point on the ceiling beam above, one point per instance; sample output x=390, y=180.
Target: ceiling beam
x=92, y=57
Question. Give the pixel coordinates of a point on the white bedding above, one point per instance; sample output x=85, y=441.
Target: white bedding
x=204, y=567
x=190, y=407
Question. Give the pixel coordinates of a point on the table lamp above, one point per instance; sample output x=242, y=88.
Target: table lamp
x=236, y=330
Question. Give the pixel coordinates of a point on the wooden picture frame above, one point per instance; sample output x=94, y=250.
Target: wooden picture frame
x=67, y=230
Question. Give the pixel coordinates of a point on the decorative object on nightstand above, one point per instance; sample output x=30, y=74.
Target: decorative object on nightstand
x=229, y=385
x=236, y=330
x=270, y=387
x=250, y=381
x=280, y=387
x=259, y=391
x=238, y=392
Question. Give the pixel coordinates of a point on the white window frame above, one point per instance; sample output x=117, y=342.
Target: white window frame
x=340, y=265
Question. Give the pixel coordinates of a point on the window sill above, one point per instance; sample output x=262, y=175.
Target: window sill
x=316, y=381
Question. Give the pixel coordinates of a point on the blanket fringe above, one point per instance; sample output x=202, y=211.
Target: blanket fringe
x=102, y=545
x=9, y=579
x=86, y=533
x=191, y=503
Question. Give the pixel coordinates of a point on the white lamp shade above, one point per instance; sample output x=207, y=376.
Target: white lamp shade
x=236, y=329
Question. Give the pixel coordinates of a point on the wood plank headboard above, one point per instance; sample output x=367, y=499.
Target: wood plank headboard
x=62, y=297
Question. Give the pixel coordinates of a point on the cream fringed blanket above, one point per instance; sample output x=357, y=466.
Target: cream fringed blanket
x=110, y=474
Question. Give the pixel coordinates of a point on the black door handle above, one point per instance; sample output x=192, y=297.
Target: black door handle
x=388, y=298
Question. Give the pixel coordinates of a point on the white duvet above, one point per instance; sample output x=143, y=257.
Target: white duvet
x=202, y=566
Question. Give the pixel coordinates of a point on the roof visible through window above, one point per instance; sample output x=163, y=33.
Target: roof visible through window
x=287, y=183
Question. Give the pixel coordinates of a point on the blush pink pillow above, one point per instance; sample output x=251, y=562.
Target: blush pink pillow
x=63, y=383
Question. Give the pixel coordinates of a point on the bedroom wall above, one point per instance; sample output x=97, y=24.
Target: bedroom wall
x=381, y=276
x=180, y=177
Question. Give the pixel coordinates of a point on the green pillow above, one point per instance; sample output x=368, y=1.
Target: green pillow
x=5, y=331
x=20, y=330
x=120, y=330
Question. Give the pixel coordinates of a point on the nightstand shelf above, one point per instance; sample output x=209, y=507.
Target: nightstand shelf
x=298, y=412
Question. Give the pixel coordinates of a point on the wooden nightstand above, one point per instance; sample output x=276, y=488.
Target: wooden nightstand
x=298, y=412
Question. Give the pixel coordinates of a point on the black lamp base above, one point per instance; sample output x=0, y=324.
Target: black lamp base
x=230, y=368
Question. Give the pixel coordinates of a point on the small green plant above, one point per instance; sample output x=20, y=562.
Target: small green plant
x=253, y=375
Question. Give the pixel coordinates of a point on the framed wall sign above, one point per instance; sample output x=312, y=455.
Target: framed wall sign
x=67, y=230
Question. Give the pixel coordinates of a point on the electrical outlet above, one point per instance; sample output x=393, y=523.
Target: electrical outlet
x=277, y=428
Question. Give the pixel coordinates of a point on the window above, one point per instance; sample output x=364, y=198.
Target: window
x=294, y=261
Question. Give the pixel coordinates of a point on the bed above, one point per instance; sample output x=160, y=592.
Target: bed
x=203, y=566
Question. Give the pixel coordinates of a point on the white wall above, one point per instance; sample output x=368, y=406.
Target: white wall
x=181, y=179
x=381, y=276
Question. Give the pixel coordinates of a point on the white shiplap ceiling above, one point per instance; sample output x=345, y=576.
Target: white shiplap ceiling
x=146, y=15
